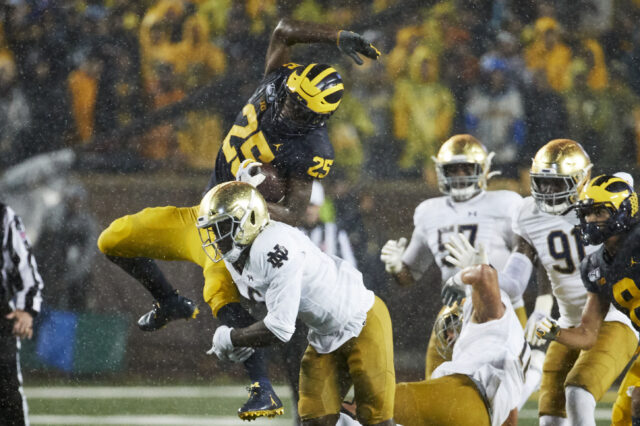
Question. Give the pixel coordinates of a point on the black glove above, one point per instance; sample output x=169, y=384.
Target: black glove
x=351, y=44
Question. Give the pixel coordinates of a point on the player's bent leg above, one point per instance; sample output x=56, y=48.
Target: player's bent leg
x=448, y=400
x=557, y=363
x=370, y=367
x=320, y=394
x=166, y=233
x=433, y=359
x=596, y=369
x=621, y=412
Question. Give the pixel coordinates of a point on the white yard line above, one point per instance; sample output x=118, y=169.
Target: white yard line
x=151, y=420
x=142, y=392
x=600, y=414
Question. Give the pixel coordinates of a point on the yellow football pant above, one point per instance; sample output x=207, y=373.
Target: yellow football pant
x=450, y=400
x=593, y=370
x=169, y=233
x=621, y=413
x=365, y=361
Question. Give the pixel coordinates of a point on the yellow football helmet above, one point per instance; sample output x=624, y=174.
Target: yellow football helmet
x=231, y=216
x=463, y=150
x=617, y=197
x=319, y=87
x=447, y=328
x=558, y=172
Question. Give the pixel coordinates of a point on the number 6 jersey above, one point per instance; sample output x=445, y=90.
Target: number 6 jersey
x=255, y=135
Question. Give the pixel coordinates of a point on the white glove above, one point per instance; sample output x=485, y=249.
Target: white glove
x=462, y=254
x=224, y=349
x=547, y=328
x=391, y=255
x=250, y=172
x=453, y=290
x=542, y=309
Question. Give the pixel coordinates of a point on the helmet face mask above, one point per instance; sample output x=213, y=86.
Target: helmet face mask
x=559, y=170
x=462, y=167
x=447, y=328
x=231, y=216
x=293, y=117
x=608, y=206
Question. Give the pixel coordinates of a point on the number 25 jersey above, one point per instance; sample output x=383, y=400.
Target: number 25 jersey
x=255, y=135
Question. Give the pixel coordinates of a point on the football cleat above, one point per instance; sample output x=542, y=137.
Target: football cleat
x=262, y=402
x=175, y=307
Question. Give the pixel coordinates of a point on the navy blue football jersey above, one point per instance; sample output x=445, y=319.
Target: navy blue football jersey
x=617, y=277
x=255, y=135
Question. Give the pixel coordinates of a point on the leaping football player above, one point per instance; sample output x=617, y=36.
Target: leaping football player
x=350, y=336
x=572, y=380
x=608, y=213
x=283, y=123
x=484, y=217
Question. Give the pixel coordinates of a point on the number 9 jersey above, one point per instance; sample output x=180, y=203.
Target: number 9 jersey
x=256, y=135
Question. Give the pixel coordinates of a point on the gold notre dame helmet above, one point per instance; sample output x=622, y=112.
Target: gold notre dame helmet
x=447, y=328
x=319, y=87
x=463, y=149
x=234, y=210
x=559, y=170
x=614, y=194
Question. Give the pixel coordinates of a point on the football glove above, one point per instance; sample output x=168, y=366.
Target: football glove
x=250, y=172
x=351, y=44
x=547, y=328
x=462, y=254
x=391, y=255
x=542, y=309
x=224, y=349
x=453, y=290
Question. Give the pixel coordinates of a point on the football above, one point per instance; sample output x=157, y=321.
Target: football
x=274, y=187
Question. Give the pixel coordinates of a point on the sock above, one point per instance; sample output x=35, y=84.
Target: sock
x=147, y=272
x=553, y=421
x=533, y=377
x=234, y=315
x=581, y=406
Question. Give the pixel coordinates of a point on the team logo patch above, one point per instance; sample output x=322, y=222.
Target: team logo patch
x=594, y=274
x=277, y=256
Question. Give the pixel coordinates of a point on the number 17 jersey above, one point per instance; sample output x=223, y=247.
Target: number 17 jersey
x=255, y=135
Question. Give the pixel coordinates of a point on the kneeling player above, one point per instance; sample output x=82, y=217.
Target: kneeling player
x=350, y=339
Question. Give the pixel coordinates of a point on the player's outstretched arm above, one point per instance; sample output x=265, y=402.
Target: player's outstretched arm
x=289, y=32
x=485, y=292
x=255, y=335
x=582, y=337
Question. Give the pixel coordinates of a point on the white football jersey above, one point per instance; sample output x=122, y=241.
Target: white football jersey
x=296, y=279
x=485, y=218
x=560, y=251
x=495, y=355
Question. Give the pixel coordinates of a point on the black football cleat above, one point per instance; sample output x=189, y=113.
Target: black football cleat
x=262, y=402
x=175, y=307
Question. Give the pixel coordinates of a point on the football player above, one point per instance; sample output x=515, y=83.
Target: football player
x=484, y=372
x=283, y=123
x=463, y=168
x=608, y=213
x=350, y=338
x=572, y=380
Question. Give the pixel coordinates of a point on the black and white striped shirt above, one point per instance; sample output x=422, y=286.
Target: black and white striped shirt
x=20, y=283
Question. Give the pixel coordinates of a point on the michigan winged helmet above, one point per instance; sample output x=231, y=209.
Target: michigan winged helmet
x=460, y=150
x=606, y=194
x=231, y=216
x=558, y=172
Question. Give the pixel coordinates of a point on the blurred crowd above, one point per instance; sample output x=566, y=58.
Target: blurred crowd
x=156, y=83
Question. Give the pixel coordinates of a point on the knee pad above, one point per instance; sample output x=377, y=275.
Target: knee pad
x=581, y=406
x=553, y=421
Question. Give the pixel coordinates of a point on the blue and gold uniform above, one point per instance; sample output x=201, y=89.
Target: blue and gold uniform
x=617, y=278
x=169, y=233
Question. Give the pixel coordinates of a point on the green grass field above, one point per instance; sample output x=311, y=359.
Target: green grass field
x=177, y=405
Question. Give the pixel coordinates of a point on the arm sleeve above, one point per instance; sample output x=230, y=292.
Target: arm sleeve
x=417, y=256
x=283, y=294
x=514, y=277
x=25, y=277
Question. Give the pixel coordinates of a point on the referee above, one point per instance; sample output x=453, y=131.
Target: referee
x=20, y=300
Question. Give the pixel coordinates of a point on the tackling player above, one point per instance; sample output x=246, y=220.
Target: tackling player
x=283, y=123
x=572, y=380
x=608, y=212
x=485, y=371
x=463, y=167
x=350, y=338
